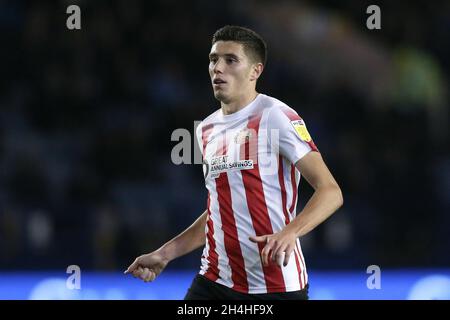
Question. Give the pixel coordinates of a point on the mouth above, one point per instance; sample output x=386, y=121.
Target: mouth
x=218, y=81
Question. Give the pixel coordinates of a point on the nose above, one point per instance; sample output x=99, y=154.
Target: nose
x=218, y=66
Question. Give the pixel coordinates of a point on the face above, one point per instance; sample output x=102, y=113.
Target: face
x=232, y=72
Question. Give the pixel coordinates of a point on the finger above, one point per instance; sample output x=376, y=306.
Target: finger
x=265, y=254
x=277, y=255
x=137, y=272
x=276, y=251
x=132, y=267
x=152, y=276
x=287, y=256
x=145, y=274
x=257, y=239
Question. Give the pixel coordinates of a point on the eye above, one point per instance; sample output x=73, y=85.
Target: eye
x=213, y=59
x=231, y=60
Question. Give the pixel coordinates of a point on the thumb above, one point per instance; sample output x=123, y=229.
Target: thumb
x=132, y=267
x=258, y=238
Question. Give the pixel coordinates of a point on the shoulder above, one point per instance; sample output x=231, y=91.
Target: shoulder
x=278, y=111
x=207, y=122
x=211, y=117
x=269, y=102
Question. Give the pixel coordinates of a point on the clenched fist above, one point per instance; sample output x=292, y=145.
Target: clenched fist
x=148, y=266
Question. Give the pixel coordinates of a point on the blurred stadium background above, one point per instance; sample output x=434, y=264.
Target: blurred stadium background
x=85, y=139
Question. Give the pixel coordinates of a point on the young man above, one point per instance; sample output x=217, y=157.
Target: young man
x=254, y=148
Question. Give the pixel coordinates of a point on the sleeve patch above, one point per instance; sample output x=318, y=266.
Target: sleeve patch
x=300, y=128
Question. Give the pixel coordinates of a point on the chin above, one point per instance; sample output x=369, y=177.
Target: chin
x=220, y=96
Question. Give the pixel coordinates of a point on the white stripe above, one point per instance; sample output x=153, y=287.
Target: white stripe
x=204, y=261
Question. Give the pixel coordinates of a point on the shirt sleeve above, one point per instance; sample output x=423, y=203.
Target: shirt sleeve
x=288, y=134
x=199, y=136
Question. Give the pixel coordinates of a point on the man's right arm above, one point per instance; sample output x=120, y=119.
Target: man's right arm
x=189, y=240
x=148, y=266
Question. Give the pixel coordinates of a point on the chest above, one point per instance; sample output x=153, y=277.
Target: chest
x=232, y=150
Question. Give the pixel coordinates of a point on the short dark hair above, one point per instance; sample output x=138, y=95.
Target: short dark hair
x=253, y=43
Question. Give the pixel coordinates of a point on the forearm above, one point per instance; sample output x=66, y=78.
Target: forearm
x=189, y=240
x=323, y=203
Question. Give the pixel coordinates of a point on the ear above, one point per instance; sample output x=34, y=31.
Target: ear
x=257, y=69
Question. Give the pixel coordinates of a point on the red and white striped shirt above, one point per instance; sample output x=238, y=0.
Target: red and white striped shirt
x=252, y=184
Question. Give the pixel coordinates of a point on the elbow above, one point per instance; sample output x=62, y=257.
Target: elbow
x=334, y=197
x=339, y=198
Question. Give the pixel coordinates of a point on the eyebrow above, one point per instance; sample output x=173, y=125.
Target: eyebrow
x=227, y=55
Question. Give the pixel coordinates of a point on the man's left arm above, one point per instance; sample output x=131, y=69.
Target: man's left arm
x=327, y=198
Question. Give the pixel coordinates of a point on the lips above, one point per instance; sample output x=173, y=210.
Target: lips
x=219, y=81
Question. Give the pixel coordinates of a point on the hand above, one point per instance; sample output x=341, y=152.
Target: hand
x=277, y=244
x=148, y=266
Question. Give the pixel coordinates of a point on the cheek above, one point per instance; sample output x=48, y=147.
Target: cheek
x=241, y=79
x=243, y=74
x=238, y=75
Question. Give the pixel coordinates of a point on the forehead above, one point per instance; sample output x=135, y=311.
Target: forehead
x=228, y=47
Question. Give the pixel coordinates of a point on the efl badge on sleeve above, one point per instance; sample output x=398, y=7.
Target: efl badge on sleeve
x=301, y=130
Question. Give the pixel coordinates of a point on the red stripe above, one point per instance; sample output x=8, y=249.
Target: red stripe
x=294, y=191
x=299, y=268
x=303, y=262
x=231, y=239
x=283, y=189
x=294, y=116
x=206, y=132
x=212, y=272
x=244, y=151
x=258, y=210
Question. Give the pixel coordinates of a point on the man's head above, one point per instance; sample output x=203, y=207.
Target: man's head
x=237, y=59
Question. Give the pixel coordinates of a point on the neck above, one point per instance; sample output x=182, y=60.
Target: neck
x=238, y=104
